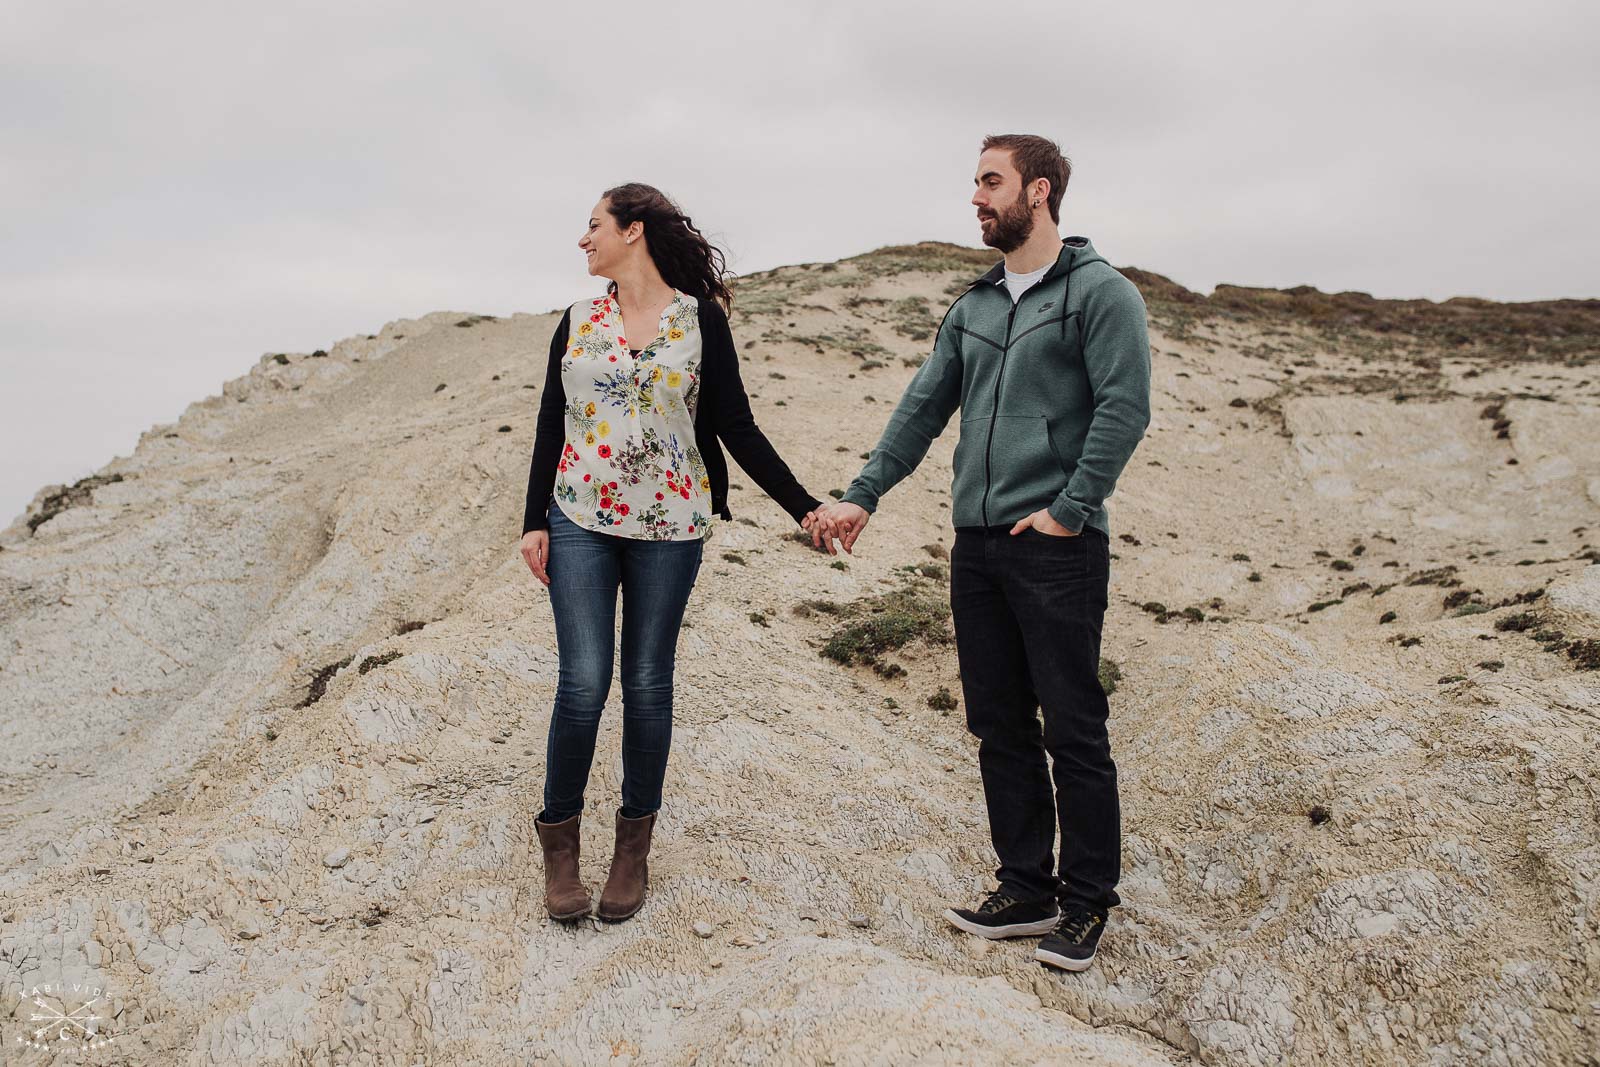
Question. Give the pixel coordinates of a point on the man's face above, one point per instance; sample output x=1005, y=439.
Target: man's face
x=1003, y=212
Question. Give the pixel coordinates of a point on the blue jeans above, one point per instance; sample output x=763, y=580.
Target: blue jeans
x=586, y=568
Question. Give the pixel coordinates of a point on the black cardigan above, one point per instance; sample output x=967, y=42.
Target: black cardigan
x=723, y=410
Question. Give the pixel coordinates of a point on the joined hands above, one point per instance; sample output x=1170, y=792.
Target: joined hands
x=841, y=522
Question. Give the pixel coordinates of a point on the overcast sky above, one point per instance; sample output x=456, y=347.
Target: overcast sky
x=189, y=185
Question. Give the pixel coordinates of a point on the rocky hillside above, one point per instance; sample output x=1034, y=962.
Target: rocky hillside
x=274, y=693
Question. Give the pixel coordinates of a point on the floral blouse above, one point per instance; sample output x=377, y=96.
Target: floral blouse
x=630, y=466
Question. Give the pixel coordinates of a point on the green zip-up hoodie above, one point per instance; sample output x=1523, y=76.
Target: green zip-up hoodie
x=1054, y=393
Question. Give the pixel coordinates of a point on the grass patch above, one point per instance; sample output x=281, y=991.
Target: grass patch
x=1445, y=577
x=79, y=492
x=913, y=317
x=320, y=680
x=928, y=257
x=889, y=622
x=807, y=608
x=379, y=660
x=1110, y=675
x=1521, y=621
x=1164, y=614
x=1585, y=654
x=1552, y=640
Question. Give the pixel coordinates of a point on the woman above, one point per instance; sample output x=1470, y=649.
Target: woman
x=625, y=481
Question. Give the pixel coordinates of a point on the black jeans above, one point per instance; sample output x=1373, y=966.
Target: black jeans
x=1028, y=614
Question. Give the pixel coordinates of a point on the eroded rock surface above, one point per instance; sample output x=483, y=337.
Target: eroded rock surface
x=276, y=820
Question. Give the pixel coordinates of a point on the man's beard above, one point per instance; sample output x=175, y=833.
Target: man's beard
x=1012, y=226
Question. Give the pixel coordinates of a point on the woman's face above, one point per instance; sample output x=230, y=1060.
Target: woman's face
x=603, y=243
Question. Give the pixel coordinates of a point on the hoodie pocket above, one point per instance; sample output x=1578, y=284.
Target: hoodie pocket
x=1023, y=469
x=969, y=476
x=1062, y=465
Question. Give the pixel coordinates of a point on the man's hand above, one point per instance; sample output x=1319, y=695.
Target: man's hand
x=536, y=551
x=1040, y=520
x=843, y=521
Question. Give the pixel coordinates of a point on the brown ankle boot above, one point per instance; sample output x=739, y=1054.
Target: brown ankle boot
x=564, y=896
x=624, y=891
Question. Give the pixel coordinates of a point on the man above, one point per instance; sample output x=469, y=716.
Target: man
x=1048, y=359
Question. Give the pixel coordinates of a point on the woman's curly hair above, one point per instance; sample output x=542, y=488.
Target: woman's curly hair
x=687, y=261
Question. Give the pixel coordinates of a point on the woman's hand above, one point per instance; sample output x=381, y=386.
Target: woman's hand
x=815, y=523
x=536, y=550
x=837, y=522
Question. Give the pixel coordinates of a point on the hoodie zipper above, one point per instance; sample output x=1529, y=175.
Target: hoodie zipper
x=994, y=413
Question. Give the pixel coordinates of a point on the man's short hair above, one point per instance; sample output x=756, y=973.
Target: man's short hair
x=1036, y=157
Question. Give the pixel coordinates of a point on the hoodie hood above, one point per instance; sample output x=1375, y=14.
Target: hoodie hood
x=1076, y=252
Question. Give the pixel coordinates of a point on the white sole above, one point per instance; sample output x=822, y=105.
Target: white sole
x=1000, y=933
x=1065, y=963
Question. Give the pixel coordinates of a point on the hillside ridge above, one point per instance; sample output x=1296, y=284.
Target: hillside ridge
x=274, y=692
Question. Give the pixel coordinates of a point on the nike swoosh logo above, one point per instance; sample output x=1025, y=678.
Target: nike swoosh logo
x=1047, y=307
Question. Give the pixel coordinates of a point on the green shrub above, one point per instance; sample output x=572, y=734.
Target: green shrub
x=1110, y=675
x=888, y=622
x=377, y=661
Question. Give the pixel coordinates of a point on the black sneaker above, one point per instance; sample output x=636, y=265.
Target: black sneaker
x=1002, y=915
x=1070, y=946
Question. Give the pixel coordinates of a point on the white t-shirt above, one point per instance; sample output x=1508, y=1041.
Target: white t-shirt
x=1017, y=284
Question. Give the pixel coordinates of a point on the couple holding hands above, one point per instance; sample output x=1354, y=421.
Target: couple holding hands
x=1047, y=359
